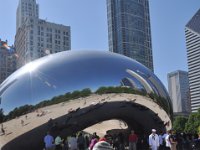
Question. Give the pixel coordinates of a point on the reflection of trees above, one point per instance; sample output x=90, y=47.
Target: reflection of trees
x=106, y=90
x=161, y=101
x=157, y=99
x=64, y=98
x=18, y=111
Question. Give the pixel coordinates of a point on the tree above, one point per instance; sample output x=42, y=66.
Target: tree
x=179, y=124
x=193, y=123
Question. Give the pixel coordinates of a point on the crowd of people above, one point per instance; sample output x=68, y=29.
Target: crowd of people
x=77, y=142
x=121, y=141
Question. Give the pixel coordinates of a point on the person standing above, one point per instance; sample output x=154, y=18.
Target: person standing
x=73, y=142
x=48, y=140
x=59, y=142
x=81, y=141
x=133, y=138
x=167, y=140
x=153, y=140
x=173, y=140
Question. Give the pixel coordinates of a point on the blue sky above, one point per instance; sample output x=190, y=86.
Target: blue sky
x=88, y=21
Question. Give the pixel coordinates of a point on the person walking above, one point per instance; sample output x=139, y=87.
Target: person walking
x=133, y=138
x=153, y=140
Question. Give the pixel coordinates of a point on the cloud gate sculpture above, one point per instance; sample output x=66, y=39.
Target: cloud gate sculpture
x=70, y=91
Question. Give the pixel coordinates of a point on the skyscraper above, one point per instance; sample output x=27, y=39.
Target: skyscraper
x=178, y=87
x=7, y=60
x=36, y=37
x=192, y=33
x=129, y=29
x=26, y=9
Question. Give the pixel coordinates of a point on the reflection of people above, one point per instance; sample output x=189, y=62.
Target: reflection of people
x=22, y=122
x=2, y=129
x=153, y=140
x=50, y=123
x=48, y=140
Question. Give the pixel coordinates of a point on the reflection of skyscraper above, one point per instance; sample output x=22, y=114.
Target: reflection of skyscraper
x=128, y=82
x=178, y=85
x=192, y=33
x=129, y=30
x=36, y=37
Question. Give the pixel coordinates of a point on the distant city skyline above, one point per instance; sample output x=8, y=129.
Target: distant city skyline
x=88, y=21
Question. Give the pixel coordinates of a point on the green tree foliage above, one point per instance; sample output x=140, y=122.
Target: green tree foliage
x=179, y=123
x=193, y=123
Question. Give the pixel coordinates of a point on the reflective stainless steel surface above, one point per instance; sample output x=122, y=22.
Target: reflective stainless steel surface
x=51, y=77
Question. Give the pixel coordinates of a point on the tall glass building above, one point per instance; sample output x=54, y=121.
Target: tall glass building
x=129, y=29
x=192, y=33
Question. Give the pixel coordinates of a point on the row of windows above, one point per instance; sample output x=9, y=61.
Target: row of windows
x=41, y=28
x=65, y=43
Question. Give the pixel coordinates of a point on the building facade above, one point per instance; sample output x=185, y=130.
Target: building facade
x=178, y=87
x=35, y=37
x=7, y=60
x=192, y=34
x=129, y=30
x=26, y=9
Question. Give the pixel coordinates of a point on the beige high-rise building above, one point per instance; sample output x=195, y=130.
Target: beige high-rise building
x=36, y=37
